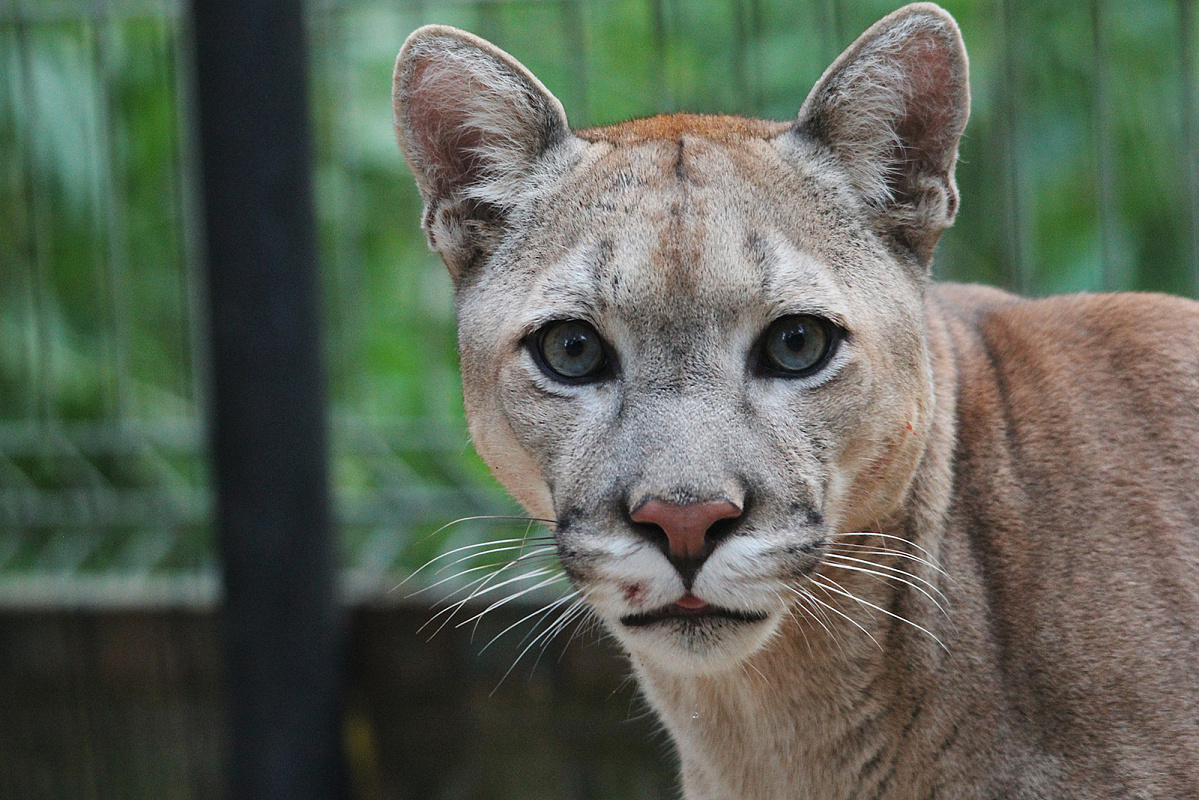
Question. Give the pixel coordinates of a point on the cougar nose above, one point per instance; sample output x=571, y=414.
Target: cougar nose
x=686, y=525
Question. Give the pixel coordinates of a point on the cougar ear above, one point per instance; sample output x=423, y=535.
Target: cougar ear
x=473, y=124
x=892, y=108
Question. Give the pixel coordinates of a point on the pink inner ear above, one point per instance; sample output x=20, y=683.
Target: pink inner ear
x=438, y=108
x=931, y=120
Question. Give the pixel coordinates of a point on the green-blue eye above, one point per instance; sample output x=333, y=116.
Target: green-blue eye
x=797, y=345
x=571, y=351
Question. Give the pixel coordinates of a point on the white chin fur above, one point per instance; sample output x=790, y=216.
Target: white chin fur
x=686, y=649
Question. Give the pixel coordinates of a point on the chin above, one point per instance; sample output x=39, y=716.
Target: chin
x=708, y=643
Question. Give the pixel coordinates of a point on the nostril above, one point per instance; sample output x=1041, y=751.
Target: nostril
x=688, y=527
x=721, y=528
x=654, y=533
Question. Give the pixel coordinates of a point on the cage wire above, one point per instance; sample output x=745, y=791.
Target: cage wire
x=1079, y=172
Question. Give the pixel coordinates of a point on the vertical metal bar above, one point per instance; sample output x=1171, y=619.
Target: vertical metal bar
x=755, y=30
x=664, y=101
x=576, y=37
x=43, y=393
x=1190, y=139
x=1105, y=155
x=831, y=35
x=1018, y=276
x=109, y=222
x=740, y=56
x=283, y=627
x=186, y=199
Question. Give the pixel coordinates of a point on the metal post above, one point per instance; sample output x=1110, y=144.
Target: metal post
x=269, y=434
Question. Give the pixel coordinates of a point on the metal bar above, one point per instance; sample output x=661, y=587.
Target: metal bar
x=575, y=30
x=831, y=34
x=283, y=626
x=1105, y=156
x=740, y=55
x=110, y=222
x=1018, y=276
x=1190, y=138
x=38, y=339
x=663, y=88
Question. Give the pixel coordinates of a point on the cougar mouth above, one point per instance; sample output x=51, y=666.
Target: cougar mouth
x=702, y=612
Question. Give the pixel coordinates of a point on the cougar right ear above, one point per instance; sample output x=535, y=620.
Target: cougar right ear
x=892, y=108
x=472, y=124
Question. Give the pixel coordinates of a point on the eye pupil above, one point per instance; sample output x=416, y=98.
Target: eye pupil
x=570, y=351
x=796, y=345
x=794, y=340
x=574, y=346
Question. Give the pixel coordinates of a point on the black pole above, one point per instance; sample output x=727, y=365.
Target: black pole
x=269, y=431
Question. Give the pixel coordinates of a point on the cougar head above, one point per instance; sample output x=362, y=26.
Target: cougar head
x=697, y=343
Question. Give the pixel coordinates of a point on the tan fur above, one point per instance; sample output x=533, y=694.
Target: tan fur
x=968, y=559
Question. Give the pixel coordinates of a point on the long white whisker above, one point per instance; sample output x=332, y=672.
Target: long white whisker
x=541, y=612
x=483, y=589
x=530, y=556
x=833, y=559
x=489, y=517
x=553, y=630
x=518, y=541
x=554, y=578
x=819, y=580
x=839, y=612
x=570, y=612
x=506, y=549
x=892, y=552
x=801, y=594
x=887, y=536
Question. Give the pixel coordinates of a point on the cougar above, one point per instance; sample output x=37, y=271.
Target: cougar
x=861, y=535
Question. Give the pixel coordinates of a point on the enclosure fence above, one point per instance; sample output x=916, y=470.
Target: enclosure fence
x=1079, y=172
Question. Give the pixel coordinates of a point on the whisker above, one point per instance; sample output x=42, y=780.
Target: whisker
x=553, y=630
x=516, y=542
x=887, y=536
x=541, y=612
x=482, y=589
x=498, y=517
x=838, y=611
x=836, y=560
x=567, y=615
x=554, y=578
x=891, y=552
x=527, y=557
x=485, y=579
x=819, y=580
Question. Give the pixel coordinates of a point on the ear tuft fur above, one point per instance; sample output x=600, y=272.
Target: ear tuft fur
x=473, y=124
x=892, y=108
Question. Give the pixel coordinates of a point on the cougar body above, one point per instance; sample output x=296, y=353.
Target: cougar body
x=861, y=535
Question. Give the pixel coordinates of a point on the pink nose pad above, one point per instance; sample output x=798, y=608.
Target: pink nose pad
x=686, y=525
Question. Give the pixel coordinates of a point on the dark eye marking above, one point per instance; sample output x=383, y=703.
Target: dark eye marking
x=796, y=346
x=571, y=351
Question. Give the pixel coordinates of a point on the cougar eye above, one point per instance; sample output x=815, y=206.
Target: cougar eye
x=570, y=351
x=796, y=345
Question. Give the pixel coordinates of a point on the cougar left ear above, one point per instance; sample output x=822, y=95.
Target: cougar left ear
x=892, y=108
x=472, y=123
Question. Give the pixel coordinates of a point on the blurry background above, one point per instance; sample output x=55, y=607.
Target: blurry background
x=1078, y=172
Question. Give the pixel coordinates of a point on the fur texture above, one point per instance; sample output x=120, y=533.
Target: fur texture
x=964, y=555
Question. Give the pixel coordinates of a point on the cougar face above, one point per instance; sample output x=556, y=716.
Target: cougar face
x=706, y=384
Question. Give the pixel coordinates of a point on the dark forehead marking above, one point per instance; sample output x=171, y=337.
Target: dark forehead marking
x=680, y=164
x=759, y=252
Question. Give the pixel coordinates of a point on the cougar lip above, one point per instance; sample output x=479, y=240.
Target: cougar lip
x=690, y=607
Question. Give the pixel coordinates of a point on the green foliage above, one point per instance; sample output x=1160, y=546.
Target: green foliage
x=1076, y=174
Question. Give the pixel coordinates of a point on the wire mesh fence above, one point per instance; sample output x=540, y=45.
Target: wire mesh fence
x=1079, y=172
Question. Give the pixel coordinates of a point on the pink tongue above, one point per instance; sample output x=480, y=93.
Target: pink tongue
x=690, y=602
